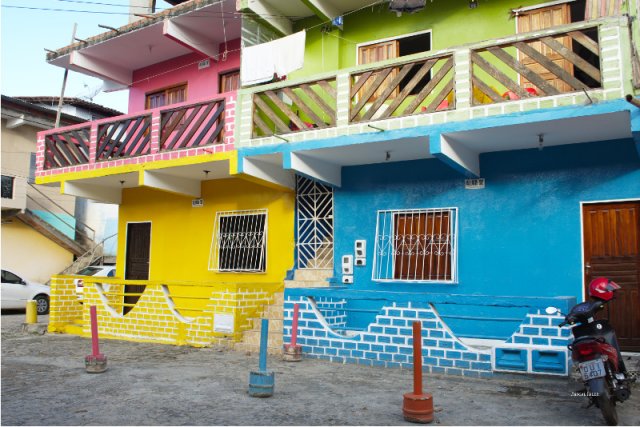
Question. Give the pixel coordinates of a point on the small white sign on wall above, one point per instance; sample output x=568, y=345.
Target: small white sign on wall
x=222, y=322
x=205, y=63
x=197, y=203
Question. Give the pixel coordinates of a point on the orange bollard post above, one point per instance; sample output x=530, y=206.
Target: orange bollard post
x=417, y=407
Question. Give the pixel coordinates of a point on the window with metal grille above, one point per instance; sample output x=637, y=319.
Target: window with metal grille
x=239, y=241
x=417, y=245
x=7, y=187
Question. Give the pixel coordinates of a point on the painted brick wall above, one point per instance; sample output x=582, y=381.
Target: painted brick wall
x=155, y=316
x=387, y=342
x=65, y=308
x=537, y=347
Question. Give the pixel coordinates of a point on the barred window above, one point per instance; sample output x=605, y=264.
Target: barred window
x=239, y=241
x=418, y=245
x=7, y=187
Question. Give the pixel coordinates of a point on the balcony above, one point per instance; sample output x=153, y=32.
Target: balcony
x=568, y=65
x=165, y=145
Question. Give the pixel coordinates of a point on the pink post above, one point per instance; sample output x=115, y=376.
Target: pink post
x=95, y=363
x=293, y=352
x=94, y=331
x=294, y=330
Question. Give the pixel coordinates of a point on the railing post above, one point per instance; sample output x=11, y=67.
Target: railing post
x=462, y=78
x=343, y=99
x=155, y=132
x=93, y=143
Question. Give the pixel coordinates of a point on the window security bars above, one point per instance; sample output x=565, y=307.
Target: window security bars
x=7, y=187
x=314, y=203
x=416, y=245
x=239, y=241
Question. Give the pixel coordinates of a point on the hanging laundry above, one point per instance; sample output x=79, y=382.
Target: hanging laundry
x=279, y=57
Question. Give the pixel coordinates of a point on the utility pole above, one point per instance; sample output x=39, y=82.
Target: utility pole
x=64, y=81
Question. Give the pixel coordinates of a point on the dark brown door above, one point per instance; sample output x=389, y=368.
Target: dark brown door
x=137, y=263
x=612, y=250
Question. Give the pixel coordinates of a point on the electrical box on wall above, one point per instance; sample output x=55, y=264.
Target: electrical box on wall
x=347, y=279
x=361, y=248
x=347, y=264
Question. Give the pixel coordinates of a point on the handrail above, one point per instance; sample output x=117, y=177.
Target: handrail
x=61, y=219
x=63, y=209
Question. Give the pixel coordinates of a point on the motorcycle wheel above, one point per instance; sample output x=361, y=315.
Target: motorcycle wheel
x=608, y=408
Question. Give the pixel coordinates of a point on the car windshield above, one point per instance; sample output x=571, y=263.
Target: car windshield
x=88, y=271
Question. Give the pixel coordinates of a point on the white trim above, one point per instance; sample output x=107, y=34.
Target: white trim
x=539, y=6
x=594, y=202
x=402, y=36
x=126, y=246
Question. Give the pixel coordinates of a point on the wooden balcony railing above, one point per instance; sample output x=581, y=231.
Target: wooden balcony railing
x=124, y=138
x=557, y=61
x=537, y=66
x=411, y=88
x=68, y=148
x=182, y=127
x=295, y=108
x=192, y=126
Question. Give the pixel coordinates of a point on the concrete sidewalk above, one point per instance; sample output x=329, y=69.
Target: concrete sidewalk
x=44, y=383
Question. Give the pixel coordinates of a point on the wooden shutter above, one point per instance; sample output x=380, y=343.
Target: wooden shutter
x=422, y=246
x=375, y=53
x=172, y=95
x=230, y=82
x=595, y=9
x=539, y=19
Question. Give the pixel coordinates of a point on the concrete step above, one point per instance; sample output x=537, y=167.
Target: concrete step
x=272, y=312
x=274, y=339
x=278, y=298
x=289, y=284
x=312, y=274
x=255, y=349
x=274, y=324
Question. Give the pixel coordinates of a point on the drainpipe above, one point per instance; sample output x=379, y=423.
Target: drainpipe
x=632, y=100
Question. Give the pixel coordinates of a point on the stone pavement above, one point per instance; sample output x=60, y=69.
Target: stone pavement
x=44, y=383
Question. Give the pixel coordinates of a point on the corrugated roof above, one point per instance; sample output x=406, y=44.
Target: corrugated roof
x=78, y=102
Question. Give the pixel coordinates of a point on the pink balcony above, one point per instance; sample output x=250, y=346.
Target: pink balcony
x=169, y=132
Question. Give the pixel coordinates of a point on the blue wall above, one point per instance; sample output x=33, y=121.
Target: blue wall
x=520, y=236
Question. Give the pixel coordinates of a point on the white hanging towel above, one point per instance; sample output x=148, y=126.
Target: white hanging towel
x=282, y=56
x=288, y=53
x=256, y=64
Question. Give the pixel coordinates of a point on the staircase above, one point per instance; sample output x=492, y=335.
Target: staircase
x=275, y=313
x=51, y=232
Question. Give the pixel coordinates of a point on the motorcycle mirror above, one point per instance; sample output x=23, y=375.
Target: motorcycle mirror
x=552, y=310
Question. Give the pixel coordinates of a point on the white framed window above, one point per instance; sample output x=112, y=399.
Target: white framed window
x=416, y=245
x=239, y=242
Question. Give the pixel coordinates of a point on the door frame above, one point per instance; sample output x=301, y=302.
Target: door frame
x=126, y=246
x=593, y=202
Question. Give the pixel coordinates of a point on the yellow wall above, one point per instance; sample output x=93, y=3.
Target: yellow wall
x=31, y=255
x=181, y=235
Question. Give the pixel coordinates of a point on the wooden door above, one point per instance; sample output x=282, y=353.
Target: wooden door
x=539, y=19
x=422, y=246
x=375, y=53
x=612, y=250
x=137, y=260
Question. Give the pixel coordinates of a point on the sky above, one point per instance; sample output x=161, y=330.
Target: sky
x=25, y=33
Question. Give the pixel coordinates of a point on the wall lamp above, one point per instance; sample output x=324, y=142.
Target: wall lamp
x=473, y=4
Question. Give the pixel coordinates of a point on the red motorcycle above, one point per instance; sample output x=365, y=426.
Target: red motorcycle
x=596, y=353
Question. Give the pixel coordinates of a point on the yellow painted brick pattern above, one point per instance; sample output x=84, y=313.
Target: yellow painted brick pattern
x=65, y=308
x=154, y=318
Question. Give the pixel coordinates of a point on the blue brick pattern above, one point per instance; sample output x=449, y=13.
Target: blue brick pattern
x=540, y=332
x=387, y=341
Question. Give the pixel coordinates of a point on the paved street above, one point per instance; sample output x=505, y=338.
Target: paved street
x=44, y=383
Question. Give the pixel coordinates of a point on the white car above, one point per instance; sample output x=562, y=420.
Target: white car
x=16, y=291
x=93, y=270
